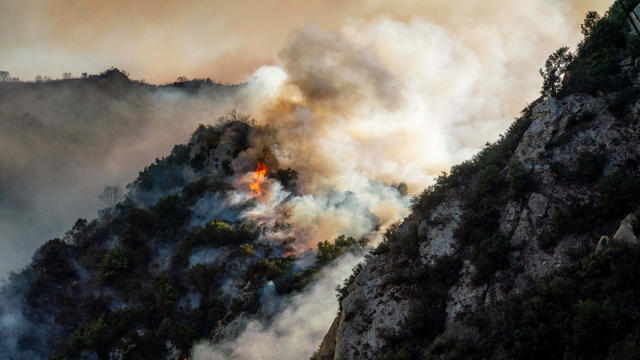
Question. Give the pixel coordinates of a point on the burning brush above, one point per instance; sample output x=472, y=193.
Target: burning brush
x=258, y=179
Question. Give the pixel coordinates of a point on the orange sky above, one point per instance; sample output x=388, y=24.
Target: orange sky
x=223, y=40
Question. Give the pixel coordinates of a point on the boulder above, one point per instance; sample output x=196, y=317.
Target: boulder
x=625, y=234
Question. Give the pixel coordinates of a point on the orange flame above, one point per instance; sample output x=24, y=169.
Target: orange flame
x=258, y=179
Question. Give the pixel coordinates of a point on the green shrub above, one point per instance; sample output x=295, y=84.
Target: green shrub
x=220, y=186
x=166, y=173
x=592, y=320
x=490, y=181
x=522, y=180
x=114, y=265
x=595, y=67
x=488, y=256
x=328, y=252
x=620, y=193
x=195, y=189
x=215, y=233
x=171, y=213
x=555, y=67
x=296, y=281
x=182, y=336
x=88, y=336
x=619, y=107
x=52, y=259
x=269, y=269
x=589, y=166
x=343, y=291
x=246, y=250
x=577, y=218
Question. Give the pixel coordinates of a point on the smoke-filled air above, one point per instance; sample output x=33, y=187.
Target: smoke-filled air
x=232, y=162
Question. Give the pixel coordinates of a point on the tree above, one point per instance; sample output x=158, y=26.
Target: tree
x=110, y=196
x=590, y=20
x=4, y=76
x=554, y=69
x=66, y=75
x=38, y=78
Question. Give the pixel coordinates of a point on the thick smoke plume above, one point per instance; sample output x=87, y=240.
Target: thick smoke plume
x=383, y=102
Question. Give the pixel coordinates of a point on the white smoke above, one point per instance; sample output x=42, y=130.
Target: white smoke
x=294, y=333
x=381, y=102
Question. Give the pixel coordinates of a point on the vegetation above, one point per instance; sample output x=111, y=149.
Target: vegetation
x=114, y=265
x=589, y=166
x=586, y=310
x=554, y=69
x=427, y=318
x=595, y=66
x=145, y=280
x=620, y=193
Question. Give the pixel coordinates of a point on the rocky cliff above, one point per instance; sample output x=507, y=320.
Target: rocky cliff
x=527, y=211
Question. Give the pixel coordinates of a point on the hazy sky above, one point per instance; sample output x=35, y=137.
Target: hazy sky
x=223, y=40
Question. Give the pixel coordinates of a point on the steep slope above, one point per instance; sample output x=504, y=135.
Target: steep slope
x=192, y=253
x=497, y=259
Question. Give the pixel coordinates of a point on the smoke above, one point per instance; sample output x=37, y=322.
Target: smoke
x=17, y=323
x=294, y=333
x=403, y=100
x=228, y=41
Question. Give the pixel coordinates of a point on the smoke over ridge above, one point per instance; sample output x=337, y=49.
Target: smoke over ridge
x=381, y=102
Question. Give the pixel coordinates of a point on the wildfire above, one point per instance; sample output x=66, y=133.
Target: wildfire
x=258, y=179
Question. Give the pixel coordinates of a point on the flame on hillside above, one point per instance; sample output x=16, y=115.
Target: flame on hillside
x=258, y=179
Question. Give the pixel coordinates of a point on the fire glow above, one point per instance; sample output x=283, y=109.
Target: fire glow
x=258, y=179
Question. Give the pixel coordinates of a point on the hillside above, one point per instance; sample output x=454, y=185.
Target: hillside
x=61, y=141
x=529, y=249
x=185, y=256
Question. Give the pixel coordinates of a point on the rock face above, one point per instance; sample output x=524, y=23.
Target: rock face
x=564, y=141
x=437, y=231
x=625, y=233
x=373, y=308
